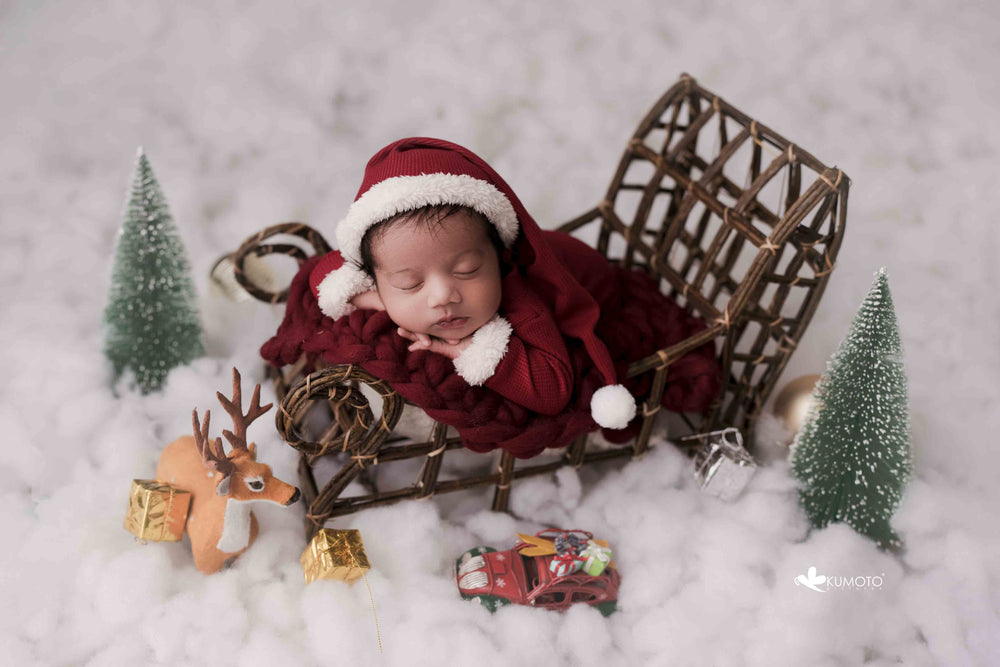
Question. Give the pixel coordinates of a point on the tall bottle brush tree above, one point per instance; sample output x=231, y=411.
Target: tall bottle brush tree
x=151, y=317
x=852, y=455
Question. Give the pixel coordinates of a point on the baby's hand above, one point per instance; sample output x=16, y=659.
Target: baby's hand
x=446, y=348
x=368, y=301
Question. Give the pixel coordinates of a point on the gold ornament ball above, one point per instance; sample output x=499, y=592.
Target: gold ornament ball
x=792, y=403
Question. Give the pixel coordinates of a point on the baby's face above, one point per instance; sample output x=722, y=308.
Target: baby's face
x=443, y=281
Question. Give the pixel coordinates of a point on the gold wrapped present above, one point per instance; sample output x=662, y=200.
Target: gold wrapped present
x=156, y=511
x=335, y=554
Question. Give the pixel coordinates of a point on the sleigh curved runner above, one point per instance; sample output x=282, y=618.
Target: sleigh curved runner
x=731, y=222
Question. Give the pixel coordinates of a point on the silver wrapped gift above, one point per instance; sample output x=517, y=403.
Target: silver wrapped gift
x=722, y=466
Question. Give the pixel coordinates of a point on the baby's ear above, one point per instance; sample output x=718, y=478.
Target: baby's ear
x=368, y=300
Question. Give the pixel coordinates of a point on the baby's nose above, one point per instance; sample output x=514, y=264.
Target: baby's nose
x=445, y=293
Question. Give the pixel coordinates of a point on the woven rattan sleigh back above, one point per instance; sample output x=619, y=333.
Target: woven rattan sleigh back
x=736, y=223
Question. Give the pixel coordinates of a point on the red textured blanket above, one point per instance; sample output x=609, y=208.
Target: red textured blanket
x=636, y=320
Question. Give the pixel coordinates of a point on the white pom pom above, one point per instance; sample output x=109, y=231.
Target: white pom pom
x=612, y=406
x=338, y=287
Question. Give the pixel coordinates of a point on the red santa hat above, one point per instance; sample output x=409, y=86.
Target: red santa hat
x=416, y=172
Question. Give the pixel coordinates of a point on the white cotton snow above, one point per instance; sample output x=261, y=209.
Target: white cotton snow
x=256, y=114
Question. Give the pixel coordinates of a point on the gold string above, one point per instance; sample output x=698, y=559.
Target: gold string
x=166, y=514
x=141, y=539
x=769, y=245
x=371, y=598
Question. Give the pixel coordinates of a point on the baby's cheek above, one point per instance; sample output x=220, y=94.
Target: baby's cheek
x=404, y=315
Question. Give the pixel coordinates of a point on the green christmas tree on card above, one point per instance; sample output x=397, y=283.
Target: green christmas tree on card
x=151, y=317
x=852, y=455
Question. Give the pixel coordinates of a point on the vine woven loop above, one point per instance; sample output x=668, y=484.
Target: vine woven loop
x=353, y=428
x=255, y=247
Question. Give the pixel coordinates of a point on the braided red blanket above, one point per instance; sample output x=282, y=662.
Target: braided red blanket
x=636, y=320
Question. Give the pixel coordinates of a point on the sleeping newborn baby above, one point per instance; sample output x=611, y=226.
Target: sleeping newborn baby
x=437, y=274
x=437, y=240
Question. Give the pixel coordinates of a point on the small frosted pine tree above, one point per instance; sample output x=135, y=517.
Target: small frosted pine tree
x=151, y=316
x=852, y=455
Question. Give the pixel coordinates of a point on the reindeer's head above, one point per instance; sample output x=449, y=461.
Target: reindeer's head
x=238, y=474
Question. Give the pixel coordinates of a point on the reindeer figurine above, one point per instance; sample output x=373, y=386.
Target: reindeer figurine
x=223, y=487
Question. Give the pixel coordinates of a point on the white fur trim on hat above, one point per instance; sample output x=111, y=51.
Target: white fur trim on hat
x=477, y=362
x=612, y=406
x=337, y=288
x=406, y=193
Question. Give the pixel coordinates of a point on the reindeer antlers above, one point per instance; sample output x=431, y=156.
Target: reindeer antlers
x=211, y=453
x=235, y=409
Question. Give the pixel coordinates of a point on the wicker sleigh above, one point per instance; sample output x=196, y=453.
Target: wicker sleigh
x=739, y=225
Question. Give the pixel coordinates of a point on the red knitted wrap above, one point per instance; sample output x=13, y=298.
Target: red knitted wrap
x=636, y=320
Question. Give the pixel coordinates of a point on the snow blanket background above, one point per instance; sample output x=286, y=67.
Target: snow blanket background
x=254, y=113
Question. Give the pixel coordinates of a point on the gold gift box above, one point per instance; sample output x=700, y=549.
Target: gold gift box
x=156, y=511
x=335, y=554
